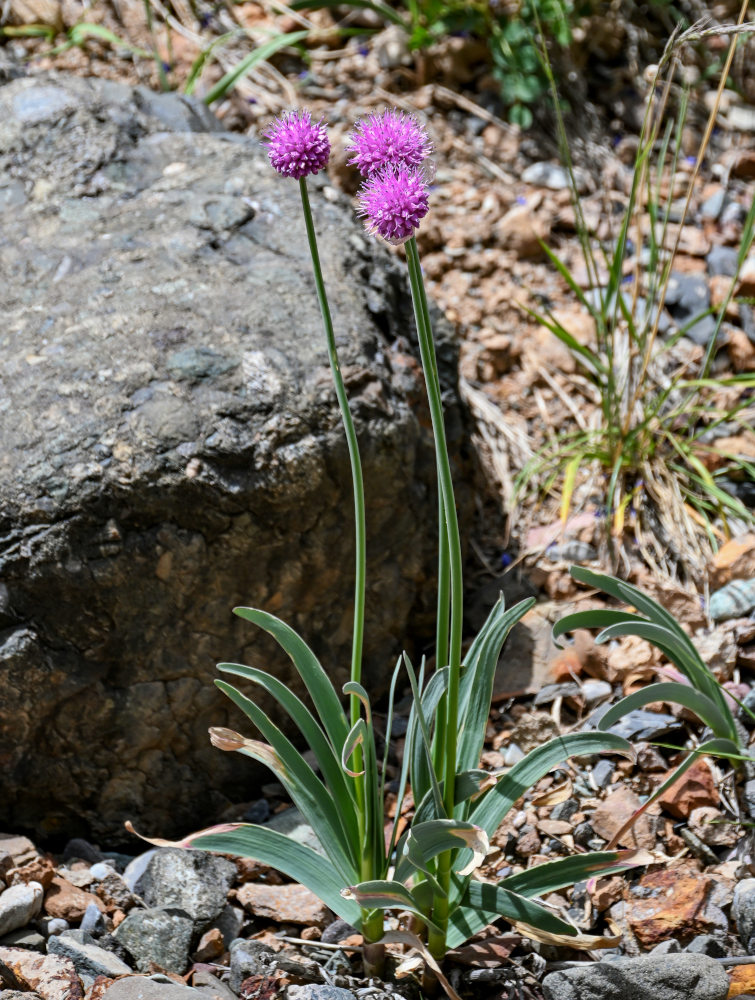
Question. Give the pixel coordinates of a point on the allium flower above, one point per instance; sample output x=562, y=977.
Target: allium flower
x=296, y=145
x=394, y=202
x=392, y=139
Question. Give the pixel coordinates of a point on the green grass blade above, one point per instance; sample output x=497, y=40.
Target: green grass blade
x=298, y=861
x=387, y=13
x=317, y=682
x=260, y=54
x=203, y=58
x=691, y=666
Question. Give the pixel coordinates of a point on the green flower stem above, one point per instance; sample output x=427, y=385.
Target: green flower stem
x=366, y=865
x=436, y=941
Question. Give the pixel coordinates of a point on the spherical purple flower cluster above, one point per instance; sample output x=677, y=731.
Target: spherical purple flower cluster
x=389, y=150
x=296, y=145
x=394, y=202
x=389, y=140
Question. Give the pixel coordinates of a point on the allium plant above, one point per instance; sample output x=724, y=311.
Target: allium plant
x=428, y=870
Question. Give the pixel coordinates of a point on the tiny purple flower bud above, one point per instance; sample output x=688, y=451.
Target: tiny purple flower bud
x=392, y=139
x=394, y=202
x=296, y=145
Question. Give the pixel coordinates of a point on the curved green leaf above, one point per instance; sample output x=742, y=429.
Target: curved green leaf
x=490, y=810
x=308, y=726
x=476, y=685
x=307, y=792
x=387, y=894
x=670, y=691
x=498, y=902
x=323, y=694
x=298, y=861
x=596, y=618
x=690, y=664
x=555, y=875
x=426, y=841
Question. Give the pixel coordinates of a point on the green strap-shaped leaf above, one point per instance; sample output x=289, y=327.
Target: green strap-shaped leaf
x=490, y=810
x=298, y=861
x=426, y=841
x=306, y=790
x=493, y=899
x=629, y=594
x=423, y=777
x=386, y=894
x=691, y=665
x=555, y=875
x=597, y=618
x=323, y=694
x=308, y=726
x=676, y=693
x=476, y=686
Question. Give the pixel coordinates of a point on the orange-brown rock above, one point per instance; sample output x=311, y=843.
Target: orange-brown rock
x=675, y=907
x=51, y=977
x=64, y=899
x=741, y=980
x=613, y=813
x=210, y=946
x=696, y=788
x=735, y=559
x=287, y=904
x=39, y=870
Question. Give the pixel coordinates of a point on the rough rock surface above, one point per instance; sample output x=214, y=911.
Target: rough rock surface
x=160, y=935
x=172, y=448
x=193, y=881
x=673, y=977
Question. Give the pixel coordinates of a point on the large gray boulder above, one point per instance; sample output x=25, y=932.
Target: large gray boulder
x=172, y=448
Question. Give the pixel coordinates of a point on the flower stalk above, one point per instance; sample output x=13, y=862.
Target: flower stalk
x=449, y=531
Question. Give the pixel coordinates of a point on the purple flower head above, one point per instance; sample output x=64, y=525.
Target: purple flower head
x=394, y=202
x=392, y=139
x=296, y=145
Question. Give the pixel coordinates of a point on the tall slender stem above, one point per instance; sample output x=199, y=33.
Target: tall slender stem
x=366, y=853
x=436, y=941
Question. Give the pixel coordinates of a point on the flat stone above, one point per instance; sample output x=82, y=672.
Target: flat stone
x=193, y=881
x=286, y=904
x=88, y=959
x=19, y=905
x=614, y=811
x=666, y=977
x=24, y=937
x=211, y=986
x=146, y=988
x=696, y=788
x=51, y=976
x=159, y=935
x=21, y=849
